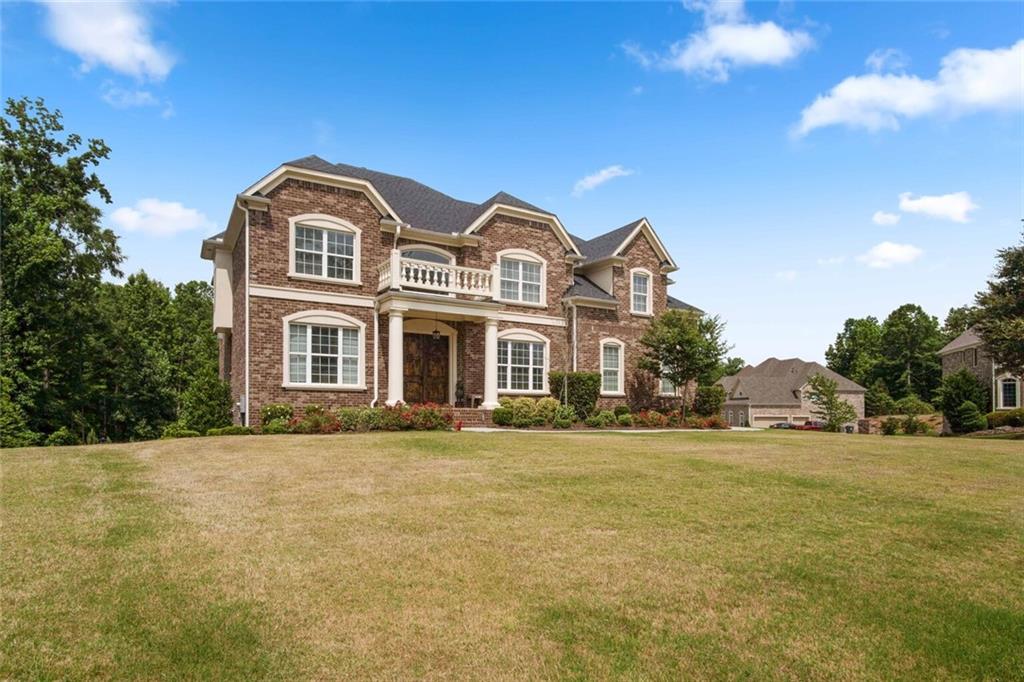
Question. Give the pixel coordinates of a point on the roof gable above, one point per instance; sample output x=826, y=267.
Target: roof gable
x=780, y=382
x=968, y=339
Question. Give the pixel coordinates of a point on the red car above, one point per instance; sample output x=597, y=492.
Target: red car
x=811, y=426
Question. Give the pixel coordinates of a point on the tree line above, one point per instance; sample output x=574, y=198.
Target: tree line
x=83, y=359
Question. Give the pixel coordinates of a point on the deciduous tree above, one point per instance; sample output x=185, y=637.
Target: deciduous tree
x=680, y=345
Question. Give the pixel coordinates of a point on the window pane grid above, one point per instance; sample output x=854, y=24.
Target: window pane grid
x=610, y=358
x=316, y=355
x=640, y=292
x=520, y=366
x=520, y=280
x=324, y=253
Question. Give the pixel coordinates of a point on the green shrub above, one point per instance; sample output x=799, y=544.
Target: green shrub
x=592, y=421
x=651, y=418
x=502, y=416
x=565, y=413
x=230, y=431
x=912, y=406
x=348, y=418
x=562, y=423
x=877, y=400
x=709, y=400
x=601, y=420
x=14, y=431
x=579, y=389
x=505, y=401
x=272, y=411
x=970, y=418
x=206, y=403
x=1005, y=418
x=179, y=430
x=315, y=419
x=621, y=410
x=428, y=417
x=91, y=438
x=62, y=436
x=956, y=390
x=275, y=426
x=547, y=408
x=625, y=419
x=911, y=426
x=524, y=413
x=890, y=426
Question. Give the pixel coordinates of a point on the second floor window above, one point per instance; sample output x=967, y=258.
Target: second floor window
x=641, y=292
x=521, y=279
x=324, y=253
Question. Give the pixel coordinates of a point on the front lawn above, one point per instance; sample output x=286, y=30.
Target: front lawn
x=508, y=555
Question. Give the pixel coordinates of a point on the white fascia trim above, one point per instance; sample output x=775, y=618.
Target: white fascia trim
x=282, y=173
x=413, y=233
x=524, y=318
x=592, y=302
x=646, y=228
x=505, y=209
x=330, y=319
x=309, y=296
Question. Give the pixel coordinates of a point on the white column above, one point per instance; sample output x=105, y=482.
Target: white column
x=490, y=365
x=396, y=364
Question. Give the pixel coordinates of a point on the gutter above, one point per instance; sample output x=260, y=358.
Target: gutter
x=376, y=353
x=245, y=407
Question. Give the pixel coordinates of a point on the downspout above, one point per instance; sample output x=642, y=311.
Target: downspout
x=376, y=364
x=245, y=412
x=574, y=344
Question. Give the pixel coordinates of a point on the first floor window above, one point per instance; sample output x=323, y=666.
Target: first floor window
x=611, y=368
x=1009, y=393
x=324, y=253
x=520, y=366
x=667, y=387
x=323, y=355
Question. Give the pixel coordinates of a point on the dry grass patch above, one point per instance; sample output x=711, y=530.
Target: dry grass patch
x=517, y=555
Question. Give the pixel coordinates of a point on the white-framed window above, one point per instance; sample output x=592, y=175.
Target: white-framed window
x=522, y=276
x=640, y=291
x=323, y=247
x=522, y=362
x=667, y=387
x=324, y=350
x=613, y=356
x=1009, y=393
x=431, y=254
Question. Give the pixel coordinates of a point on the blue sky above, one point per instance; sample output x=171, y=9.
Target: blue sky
x=804, y=162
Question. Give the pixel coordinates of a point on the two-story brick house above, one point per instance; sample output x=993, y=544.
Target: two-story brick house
x=340, y=285
x=967, y=351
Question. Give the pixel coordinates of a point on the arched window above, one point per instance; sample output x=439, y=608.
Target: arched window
x=522, y=362
x=1009, y=393
x=641, y=281
x=430, y=254
x=323, y=247
x=523, y=277
x=613, y=357
x=324, y=350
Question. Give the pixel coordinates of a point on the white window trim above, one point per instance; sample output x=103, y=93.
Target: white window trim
x=666, y=394
x=532, y=337
x=650, y=292
x=328, y=319
x=530, y=256
x=999, y=392
x=622, y=366
x=322, y=221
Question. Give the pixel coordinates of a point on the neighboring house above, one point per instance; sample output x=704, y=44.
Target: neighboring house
x=967, y=351
x=776, y=391
x=340, y=285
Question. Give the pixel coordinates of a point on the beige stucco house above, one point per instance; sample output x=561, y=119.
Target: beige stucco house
x=776, y=391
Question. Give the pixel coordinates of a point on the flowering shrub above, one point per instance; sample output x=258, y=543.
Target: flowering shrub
x=427, y=417
x=272, y=411
x=651, y=418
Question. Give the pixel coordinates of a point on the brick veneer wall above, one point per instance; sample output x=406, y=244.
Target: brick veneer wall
x=964, y=359
x=238, y=325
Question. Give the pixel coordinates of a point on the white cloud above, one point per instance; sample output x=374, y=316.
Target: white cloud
x=969, y=80
x=832, y=260
x=115, y=34
x=786, y=275
x=888, y=254
x=883, y=218
x=955, y=206
x=727, y=42
x=122, y=98
x=159, y=218
x=889, y=59
x=599, y=178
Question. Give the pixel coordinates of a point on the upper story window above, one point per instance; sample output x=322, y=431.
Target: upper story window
x=640, y=291
x=522, y=362
x=324, y=247
x=323, y=350
x=522, y=276
x=612, y=357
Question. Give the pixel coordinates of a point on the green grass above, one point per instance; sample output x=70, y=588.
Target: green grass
x=583, y=555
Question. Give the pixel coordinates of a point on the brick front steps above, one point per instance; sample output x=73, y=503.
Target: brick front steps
x=471, y=416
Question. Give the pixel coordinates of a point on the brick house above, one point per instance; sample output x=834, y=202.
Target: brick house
x=967, y=351
x=340, y=285
x=776, y=391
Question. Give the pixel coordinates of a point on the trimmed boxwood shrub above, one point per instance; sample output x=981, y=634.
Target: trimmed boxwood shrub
x=579, y=389
x=601, y=420
x=970, y=418
x=547, y=409
x=230, y=431
x=625, y=419
x=621, y=410
x=275, y=426
x=502, y=416
x=1005, y=418
x=562, y=423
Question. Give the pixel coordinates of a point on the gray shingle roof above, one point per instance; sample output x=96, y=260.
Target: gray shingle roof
x=966, y=340
x=778, y=382
x=604, y=245
x=422, y=207
x=675, y=304
x=584, y=287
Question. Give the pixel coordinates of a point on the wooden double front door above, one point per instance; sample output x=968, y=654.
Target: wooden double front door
x=426, y=368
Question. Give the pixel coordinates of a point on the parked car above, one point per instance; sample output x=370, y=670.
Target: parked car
x=782, y=425
x=812, y=426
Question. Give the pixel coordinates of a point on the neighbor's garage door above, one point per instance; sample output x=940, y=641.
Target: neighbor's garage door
x=764, y=421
